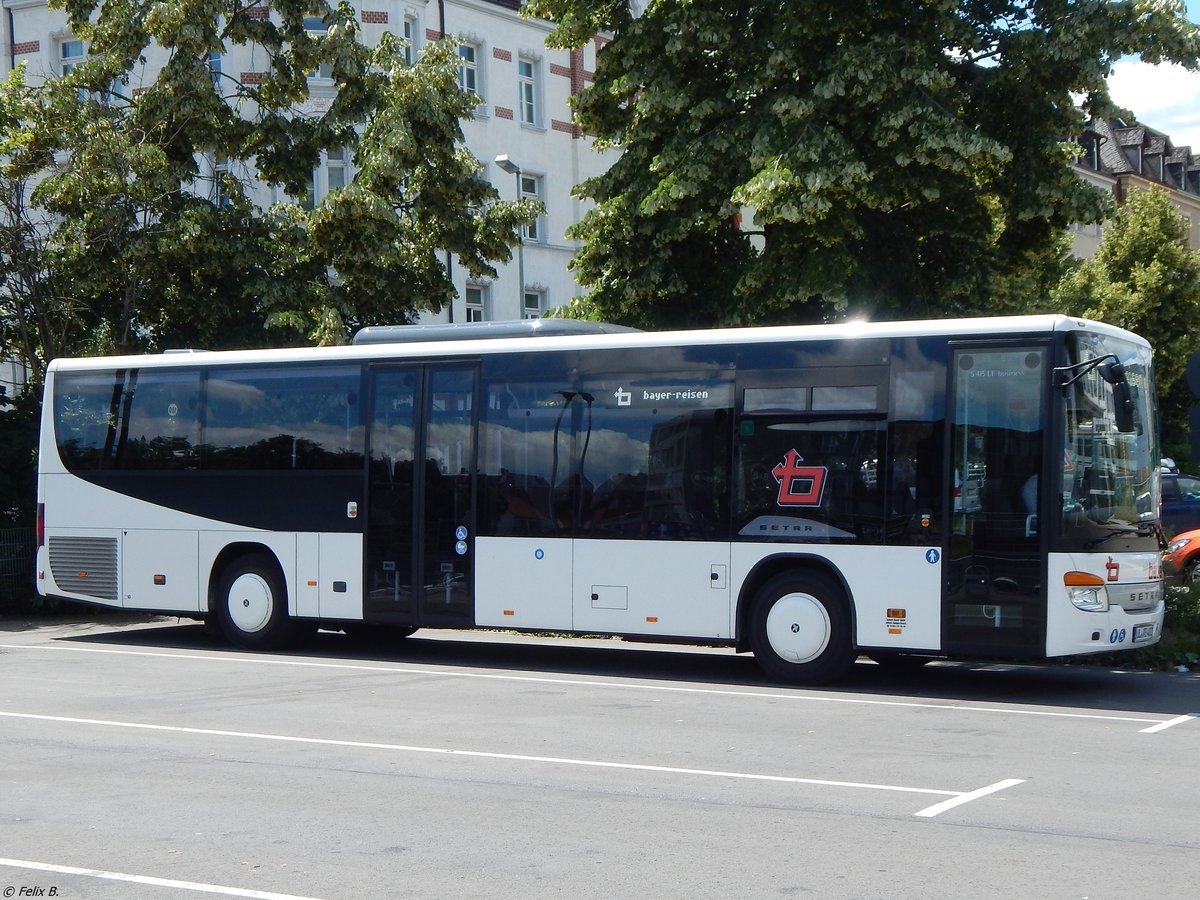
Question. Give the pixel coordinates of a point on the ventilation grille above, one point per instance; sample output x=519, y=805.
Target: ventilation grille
x=85, y=565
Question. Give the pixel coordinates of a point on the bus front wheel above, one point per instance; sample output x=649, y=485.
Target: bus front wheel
x=252, y=605
x=800, y=629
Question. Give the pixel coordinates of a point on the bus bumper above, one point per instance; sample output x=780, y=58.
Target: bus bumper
x=1071, y=631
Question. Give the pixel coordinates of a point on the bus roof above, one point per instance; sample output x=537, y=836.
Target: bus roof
x=469, y=331
x=599, y=339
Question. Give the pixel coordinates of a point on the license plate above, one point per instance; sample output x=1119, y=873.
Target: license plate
x=1143, y=632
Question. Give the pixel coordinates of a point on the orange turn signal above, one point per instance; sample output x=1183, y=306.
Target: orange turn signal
x=1082, y=579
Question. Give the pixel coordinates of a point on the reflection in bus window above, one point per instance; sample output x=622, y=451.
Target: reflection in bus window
x=283, y=418
x=654, y=457
x=524, y=441
x=638, y=456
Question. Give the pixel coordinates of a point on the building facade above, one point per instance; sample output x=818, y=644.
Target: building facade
x=1119, y=159
x=523, y=118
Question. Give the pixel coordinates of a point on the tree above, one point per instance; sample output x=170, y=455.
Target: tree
x=114, y=236
x=1143, y=277
x=898, y=157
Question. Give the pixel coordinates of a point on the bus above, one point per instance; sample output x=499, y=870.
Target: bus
x=900, y=490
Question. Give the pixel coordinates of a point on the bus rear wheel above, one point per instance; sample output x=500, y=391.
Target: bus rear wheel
x=252, y=605
x=800, y=629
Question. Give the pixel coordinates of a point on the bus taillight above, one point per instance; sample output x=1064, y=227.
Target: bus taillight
x=41, y=524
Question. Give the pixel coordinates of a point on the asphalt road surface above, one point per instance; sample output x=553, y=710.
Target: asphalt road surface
x=142, y=758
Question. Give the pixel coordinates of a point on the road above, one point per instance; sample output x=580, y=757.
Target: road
x=144, y=759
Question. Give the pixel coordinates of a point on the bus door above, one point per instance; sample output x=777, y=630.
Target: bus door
x=993, y=573
x=420, y=519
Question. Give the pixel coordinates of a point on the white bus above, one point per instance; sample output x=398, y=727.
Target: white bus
x=792, y=491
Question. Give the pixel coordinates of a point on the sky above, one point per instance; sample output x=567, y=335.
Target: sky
x=1165, y=98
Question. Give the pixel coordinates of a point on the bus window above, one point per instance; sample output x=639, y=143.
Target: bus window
x=653, y=456
x=139, y=419
x=283, y=417
x=809, y=457
x=524, y=450
x=162, y=423
x=85, y=418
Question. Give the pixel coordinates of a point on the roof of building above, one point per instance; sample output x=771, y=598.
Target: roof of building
x=1130, y=149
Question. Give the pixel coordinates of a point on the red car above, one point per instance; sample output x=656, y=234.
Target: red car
x=1181, y=561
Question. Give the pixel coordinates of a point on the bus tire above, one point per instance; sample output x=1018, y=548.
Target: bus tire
x=800, y=628
x=252, y=604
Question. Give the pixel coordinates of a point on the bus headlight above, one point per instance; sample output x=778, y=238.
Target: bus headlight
x=1090, y=599
x=1087, y=591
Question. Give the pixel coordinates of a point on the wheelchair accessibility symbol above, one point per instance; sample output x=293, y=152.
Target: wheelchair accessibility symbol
x=932, y=556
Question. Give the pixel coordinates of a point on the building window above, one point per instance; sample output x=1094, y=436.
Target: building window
x=309, y=201
x=468, y=68
x=531, y=189
x=476, y=300
x=318, y=30
x=220, y=194
x=534, y=305
x=527, y=91
x=335, y=168
x=331, y=175
x=70, y=53
x=214, y=56
x=410, y=40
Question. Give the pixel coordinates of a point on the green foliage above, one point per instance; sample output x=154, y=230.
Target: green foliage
x=1143, y=277
x=897, y=158
x=1180, y=643
x=1183, y=609
x=18, y=468
x=115, y=238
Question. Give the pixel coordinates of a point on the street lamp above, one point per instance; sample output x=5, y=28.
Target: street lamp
x=505, y=163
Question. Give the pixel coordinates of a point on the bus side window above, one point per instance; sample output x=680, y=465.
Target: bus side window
x=524, y=427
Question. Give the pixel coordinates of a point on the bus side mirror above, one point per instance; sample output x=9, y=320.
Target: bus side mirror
x=1114, y=374
x=1123, y=407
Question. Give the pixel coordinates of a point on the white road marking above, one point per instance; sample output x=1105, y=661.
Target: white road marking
x=148, y=880
x=477, y=754
x=578, y=682
x=930, y=811
x=1170, y=723
x=956, y=798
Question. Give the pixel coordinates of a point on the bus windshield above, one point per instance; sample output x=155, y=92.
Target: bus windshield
x=1110, y=486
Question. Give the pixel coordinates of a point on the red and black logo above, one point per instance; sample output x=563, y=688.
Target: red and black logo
x=799, y=485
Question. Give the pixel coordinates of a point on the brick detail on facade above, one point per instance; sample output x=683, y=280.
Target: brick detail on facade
x=503, y=112
x=26, y=47
x=505, y=55
x=254, y=77
x=566, y=127
x=575, y=71
x=258, y=12
x=432, y=34
x=374, y=17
